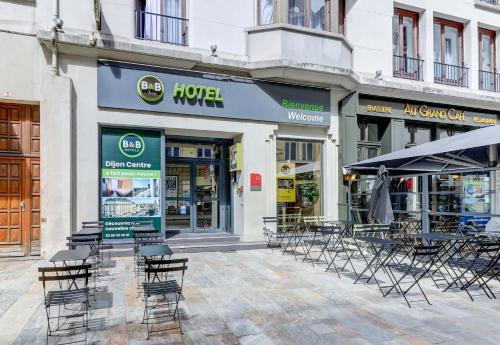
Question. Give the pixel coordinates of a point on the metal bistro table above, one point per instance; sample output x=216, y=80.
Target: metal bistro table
x=79, y=254
x=160, y=250
x=64, y=256
x=154, y=251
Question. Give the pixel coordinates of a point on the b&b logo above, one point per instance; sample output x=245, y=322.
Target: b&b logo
x=150, y=88
x=131, y=145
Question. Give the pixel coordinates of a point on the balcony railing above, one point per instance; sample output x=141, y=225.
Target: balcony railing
x=489, y=81
x=492, y=2
x=451, y=75
x=160, y=27
x=407, y=68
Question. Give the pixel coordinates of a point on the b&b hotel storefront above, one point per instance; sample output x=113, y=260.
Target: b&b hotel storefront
x=201, y=152
x=373, y=126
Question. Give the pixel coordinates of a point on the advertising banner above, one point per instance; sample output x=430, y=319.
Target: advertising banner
x=476, y=193
x=286, y=184
x=130, y=180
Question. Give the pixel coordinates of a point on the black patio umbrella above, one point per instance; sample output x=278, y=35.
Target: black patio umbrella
x=380, y=202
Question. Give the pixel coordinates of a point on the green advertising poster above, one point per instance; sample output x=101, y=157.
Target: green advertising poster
x=130, y=180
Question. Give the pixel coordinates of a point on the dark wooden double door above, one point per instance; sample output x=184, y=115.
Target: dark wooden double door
x=19, y=179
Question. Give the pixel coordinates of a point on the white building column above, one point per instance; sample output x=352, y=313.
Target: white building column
x=426, y=44
x=471, y=53
x=56, y=164
x=332, y=177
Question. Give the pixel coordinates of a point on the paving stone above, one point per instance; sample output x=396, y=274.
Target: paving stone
x=258, y=297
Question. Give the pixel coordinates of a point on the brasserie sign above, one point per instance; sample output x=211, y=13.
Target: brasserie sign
x=425, y=112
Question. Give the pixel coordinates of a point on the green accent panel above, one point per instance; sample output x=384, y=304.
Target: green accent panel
x=397, y=135
x=124, y=173
x=112, y=156
x=349, y=130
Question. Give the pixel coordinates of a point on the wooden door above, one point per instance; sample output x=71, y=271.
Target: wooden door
x=11, y=213
x=19, y=179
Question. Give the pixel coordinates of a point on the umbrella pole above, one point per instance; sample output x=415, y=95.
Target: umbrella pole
x=425, y=204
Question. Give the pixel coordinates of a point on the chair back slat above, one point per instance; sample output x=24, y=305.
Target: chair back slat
x=44, y=278
x=165, y=269
x=64, y=268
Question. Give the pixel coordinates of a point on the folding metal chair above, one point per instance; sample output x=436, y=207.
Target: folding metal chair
x=65, y=304
x=422, y=260
x=91, y=241
x=271, y=234
x=162, y=288
x=337, y=248
x=481, y=260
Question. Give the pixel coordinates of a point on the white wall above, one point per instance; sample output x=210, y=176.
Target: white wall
x=21, y=62
x=369, y=29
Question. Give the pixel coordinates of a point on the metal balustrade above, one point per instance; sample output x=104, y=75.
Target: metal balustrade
x=407, y=68
x=492, y=2
x=451, y=74
x=160, y=27
x=489, y=81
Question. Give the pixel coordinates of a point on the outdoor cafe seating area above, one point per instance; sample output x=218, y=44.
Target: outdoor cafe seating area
x=74, y=277
x=391, y=259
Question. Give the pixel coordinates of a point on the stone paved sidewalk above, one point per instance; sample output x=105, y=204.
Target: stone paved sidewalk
x=253, y=298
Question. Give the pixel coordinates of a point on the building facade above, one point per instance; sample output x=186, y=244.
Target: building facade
x=207, y=116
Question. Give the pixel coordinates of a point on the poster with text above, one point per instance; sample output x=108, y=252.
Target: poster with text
x=130, y=180
x=286, y=183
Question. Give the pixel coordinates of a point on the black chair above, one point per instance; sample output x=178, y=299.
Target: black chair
x=162, y=288
x=422, y=260
x=477, y=267
x=65, y=304
x=93, y=242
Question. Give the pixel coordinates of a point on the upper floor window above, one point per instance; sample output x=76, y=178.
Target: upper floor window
x=309, y=13
x=405, y=30
x=448, y=54
x=448, y=42
x=266, y=11
x=489, y=79
x=162, y=20
x=405, y=45
x=487, y=54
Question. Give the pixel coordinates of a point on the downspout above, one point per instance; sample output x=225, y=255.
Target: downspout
x=56, y=26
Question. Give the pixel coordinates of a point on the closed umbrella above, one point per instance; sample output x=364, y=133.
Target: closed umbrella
x=380, y=203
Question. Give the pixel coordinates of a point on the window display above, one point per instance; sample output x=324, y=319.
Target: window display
x=298, y=178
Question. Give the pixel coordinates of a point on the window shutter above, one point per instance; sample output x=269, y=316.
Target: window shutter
x=395, y=35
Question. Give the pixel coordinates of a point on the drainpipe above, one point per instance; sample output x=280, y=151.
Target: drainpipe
x=56, y=26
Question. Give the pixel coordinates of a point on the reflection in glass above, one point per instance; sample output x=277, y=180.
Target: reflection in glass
x=451, y=45
x=266, y=12
x=296, y=12
x=318, y=14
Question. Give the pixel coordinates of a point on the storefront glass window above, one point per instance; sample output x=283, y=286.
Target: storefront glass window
x=416, y=135
x=298, y=178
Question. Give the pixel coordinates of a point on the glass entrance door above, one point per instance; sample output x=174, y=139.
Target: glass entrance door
x=178, y=203
x=192, y=196
x=206, y=196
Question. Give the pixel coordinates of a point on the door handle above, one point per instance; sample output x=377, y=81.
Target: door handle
x=22, y=205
